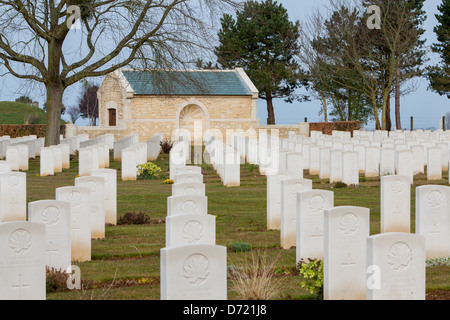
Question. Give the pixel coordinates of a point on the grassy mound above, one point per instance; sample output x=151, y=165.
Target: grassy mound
x=20, y=113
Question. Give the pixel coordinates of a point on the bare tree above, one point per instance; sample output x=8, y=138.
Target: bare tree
x=310, y=56
x=38, y=44
x=74, y=113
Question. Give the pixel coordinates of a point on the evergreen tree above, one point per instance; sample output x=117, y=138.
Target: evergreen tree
x=264, y=43
x=439, y=76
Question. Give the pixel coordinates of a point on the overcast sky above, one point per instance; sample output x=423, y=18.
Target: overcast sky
x=425, y=106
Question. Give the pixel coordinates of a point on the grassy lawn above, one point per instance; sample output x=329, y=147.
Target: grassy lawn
x=126, y=264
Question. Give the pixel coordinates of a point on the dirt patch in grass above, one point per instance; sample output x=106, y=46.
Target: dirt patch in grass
x=438, y=295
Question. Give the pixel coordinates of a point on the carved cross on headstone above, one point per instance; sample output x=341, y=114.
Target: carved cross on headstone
x=20, y=286
x=51, y=248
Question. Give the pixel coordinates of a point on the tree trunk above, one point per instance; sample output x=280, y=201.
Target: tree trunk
x=324, y=103
x=270, y=112
x=55, y=90
x=53, y=115
x=375, y=111
x=388, y=114
x=398, y=123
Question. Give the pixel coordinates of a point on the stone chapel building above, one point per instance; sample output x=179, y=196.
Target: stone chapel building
x=161, y=101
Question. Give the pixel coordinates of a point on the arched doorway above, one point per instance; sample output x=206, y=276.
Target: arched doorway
x=192, y=119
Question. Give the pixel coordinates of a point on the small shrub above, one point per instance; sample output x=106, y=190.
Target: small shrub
x=254, y=278
x=133, y=218
x=240, y=247
x=56, y=280
x=166, y=145
x=148, y=170
x=437, y=262
x=340, y=185
x=252, y=167
x=312, y=273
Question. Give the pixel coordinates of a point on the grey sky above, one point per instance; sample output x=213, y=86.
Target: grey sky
x=425, y=106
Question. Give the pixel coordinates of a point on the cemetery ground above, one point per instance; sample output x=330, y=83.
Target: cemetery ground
x=126, y=264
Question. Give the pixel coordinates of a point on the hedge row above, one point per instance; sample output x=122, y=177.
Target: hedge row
x=20, y=130
x=328, y=127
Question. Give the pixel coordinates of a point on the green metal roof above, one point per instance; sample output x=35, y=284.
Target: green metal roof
x=152, y=82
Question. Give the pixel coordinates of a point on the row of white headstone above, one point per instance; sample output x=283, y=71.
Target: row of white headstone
x=225, y=159
x=137, y=154
x=193, y=267
x=308, y=220
x=373, y=154
x=54, y=234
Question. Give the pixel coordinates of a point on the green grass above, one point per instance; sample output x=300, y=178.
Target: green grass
x=18, y=113
x=131, y=252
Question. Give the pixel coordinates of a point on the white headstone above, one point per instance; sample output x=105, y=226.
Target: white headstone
x=294, y=162
x=324, y=163
x=80, y=221
x=85, y=161
x=314, y=159
x=46, y=161
x=434, y=164
x=57, y=158
x=96, y=203
x=336, y=161
x=22, y=264
x=350, y=170
x=372, y=157
x=187, y=204
x=194, y=272
x=433, y=219
x=396, y=262
x=361, y=149
x=418, y=158
x=404, y=164
x=13, y=196
x=188, y=177
x=12, y=157
x=55, y=215
x=289, y=189
x=310, y=223
x=22, y=156
x=274, y=197
x=177, y=158
x=189, y=169
x=387, y=161
x=110, y=177
x=190, y=228
x=4, y=166
x=65, y=155
x=395, y=206
x=188, y=188
x=345, y=231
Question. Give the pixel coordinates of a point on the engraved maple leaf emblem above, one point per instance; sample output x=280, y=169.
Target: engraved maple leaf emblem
x=349, y=224
x=435, y=199
x=193, y=232
x=196, y=269
x=397, y=186
x=50, y=215
x=20, y=241
x=399, y=256
x=13, y=181
x=296, y=188
x=189, y=207
x=74, y=198
x=316, y=203
x=189, y=191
